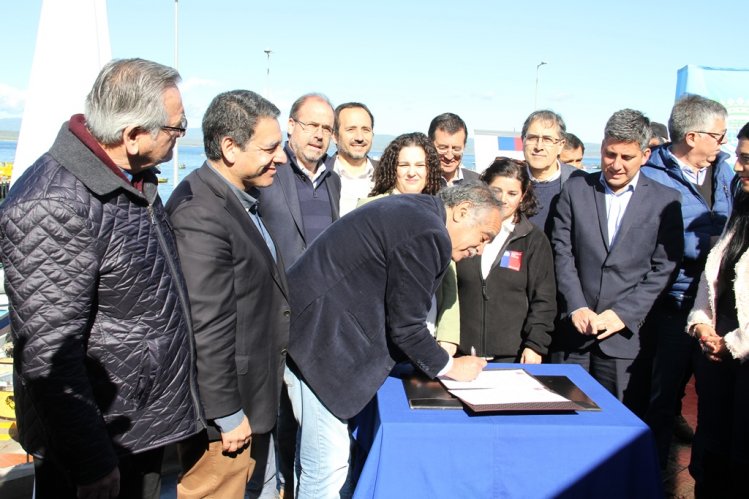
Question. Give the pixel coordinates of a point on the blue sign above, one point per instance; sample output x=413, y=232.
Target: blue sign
x=729, y=86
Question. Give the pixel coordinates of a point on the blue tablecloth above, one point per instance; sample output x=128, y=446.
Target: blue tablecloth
x=449, y=453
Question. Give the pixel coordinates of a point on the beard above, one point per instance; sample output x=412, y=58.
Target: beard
x=352, y=154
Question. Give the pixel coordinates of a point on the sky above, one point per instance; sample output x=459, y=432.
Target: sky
x=411, y=60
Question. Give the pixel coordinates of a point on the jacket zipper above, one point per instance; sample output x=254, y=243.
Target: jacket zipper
x=511, y=238
x=183, y=302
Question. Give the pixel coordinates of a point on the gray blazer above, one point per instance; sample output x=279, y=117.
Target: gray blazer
x=627, y=276
x=279, y=205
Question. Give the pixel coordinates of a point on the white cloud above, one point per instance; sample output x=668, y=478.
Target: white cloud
x=11, y=101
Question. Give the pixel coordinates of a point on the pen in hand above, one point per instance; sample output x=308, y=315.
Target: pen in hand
x=473, y=351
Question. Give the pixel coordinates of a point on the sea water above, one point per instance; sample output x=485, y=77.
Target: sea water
x=191, y=157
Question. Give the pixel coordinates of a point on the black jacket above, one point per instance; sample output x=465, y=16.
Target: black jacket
x=103, y=364
x=512, y=309
x=360, y=296
x=239, y=301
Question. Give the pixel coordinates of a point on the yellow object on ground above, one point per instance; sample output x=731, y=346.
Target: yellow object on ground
x=7, y=403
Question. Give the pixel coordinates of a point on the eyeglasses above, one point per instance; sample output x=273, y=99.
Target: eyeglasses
x=546, y=140
x=443, y=149
x=717, y=136
x=315, y=127
x=179, y=130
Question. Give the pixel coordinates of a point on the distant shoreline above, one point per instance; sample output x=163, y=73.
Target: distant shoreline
x=13, y=137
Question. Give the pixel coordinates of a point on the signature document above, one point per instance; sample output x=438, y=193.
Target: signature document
x=507, y=390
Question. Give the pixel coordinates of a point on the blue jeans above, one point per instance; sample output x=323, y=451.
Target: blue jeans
x=323, y=457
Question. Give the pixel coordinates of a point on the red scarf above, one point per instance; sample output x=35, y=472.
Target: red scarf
x=77, y=126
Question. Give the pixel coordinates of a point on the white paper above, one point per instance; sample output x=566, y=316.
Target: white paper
x=507, y=396
x=502, y=386
x=495, y=378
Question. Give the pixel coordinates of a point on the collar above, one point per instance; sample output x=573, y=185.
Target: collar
x=248, y=200
x=341, y=171
x=553, y=178
x=630, y=186
x=79, y=153
x=509, y=225
x=301, y=170
x=683, y=166
x=458, y=173
x=77, y=126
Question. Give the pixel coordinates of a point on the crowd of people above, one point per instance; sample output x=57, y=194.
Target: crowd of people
x=251, y=317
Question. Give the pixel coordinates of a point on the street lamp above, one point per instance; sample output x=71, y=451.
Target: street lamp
x=268, y=52
x=535, y=95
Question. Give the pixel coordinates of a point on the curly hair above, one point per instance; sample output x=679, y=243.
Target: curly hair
x=385, y=173
x=513, y=168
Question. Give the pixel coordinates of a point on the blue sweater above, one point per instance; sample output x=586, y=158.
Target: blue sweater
x=702, y=225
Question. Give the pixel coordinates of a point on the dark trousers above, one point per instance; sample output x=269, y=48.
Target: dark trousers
x=673, y=364
x=626, y=379
x=286, y=437
x=720, y=452
x=140, y=477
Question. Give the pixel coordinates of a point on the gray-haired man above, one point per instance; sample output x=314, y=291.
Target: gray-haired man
x=397, y=250
x=693, y=164
x=104, y=369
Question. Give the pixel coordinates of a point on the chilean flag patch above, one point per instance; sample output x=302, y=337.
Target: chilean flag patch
x=511, y=260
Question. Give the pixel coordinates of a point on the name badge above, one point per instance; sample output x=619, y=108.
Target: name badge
x=511, y=260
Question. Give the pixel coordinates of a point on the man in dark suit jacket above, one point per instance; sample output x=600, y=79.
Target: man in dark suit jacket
x=303, y=201
x=360, y=297
x=238, y=294
x=449, y=135
x=305, y=197
x=617, y=240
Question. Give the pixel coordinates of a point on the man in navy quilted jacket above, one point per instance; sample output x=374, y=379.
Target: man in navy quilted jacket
x=104, y=372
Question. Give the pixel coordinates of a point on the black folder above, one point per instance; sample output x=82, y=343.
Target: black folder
x=425, y=393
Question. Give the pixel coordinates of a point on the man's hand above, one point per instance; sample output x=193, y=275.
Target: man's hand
x=238, y=438
x=448, y=347
x=609, y=323
x=104, y=488
x=466, y=368
x=583, y=319
x=530, y=357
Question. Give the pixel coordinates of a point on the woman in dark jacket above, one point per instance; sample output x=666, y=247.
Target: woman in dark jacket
x=720, y=321
x=508, y=296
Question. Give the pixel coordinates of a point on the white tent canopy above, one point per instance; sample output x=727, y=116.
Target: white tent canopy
x=72, y=45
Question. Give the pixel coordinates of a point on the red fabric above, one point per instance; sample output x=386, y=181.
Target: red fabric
x=77, y=126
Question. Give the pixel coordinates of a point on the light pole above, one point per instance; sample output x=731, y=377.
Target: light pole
x=268, y=52
x=535, y=95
